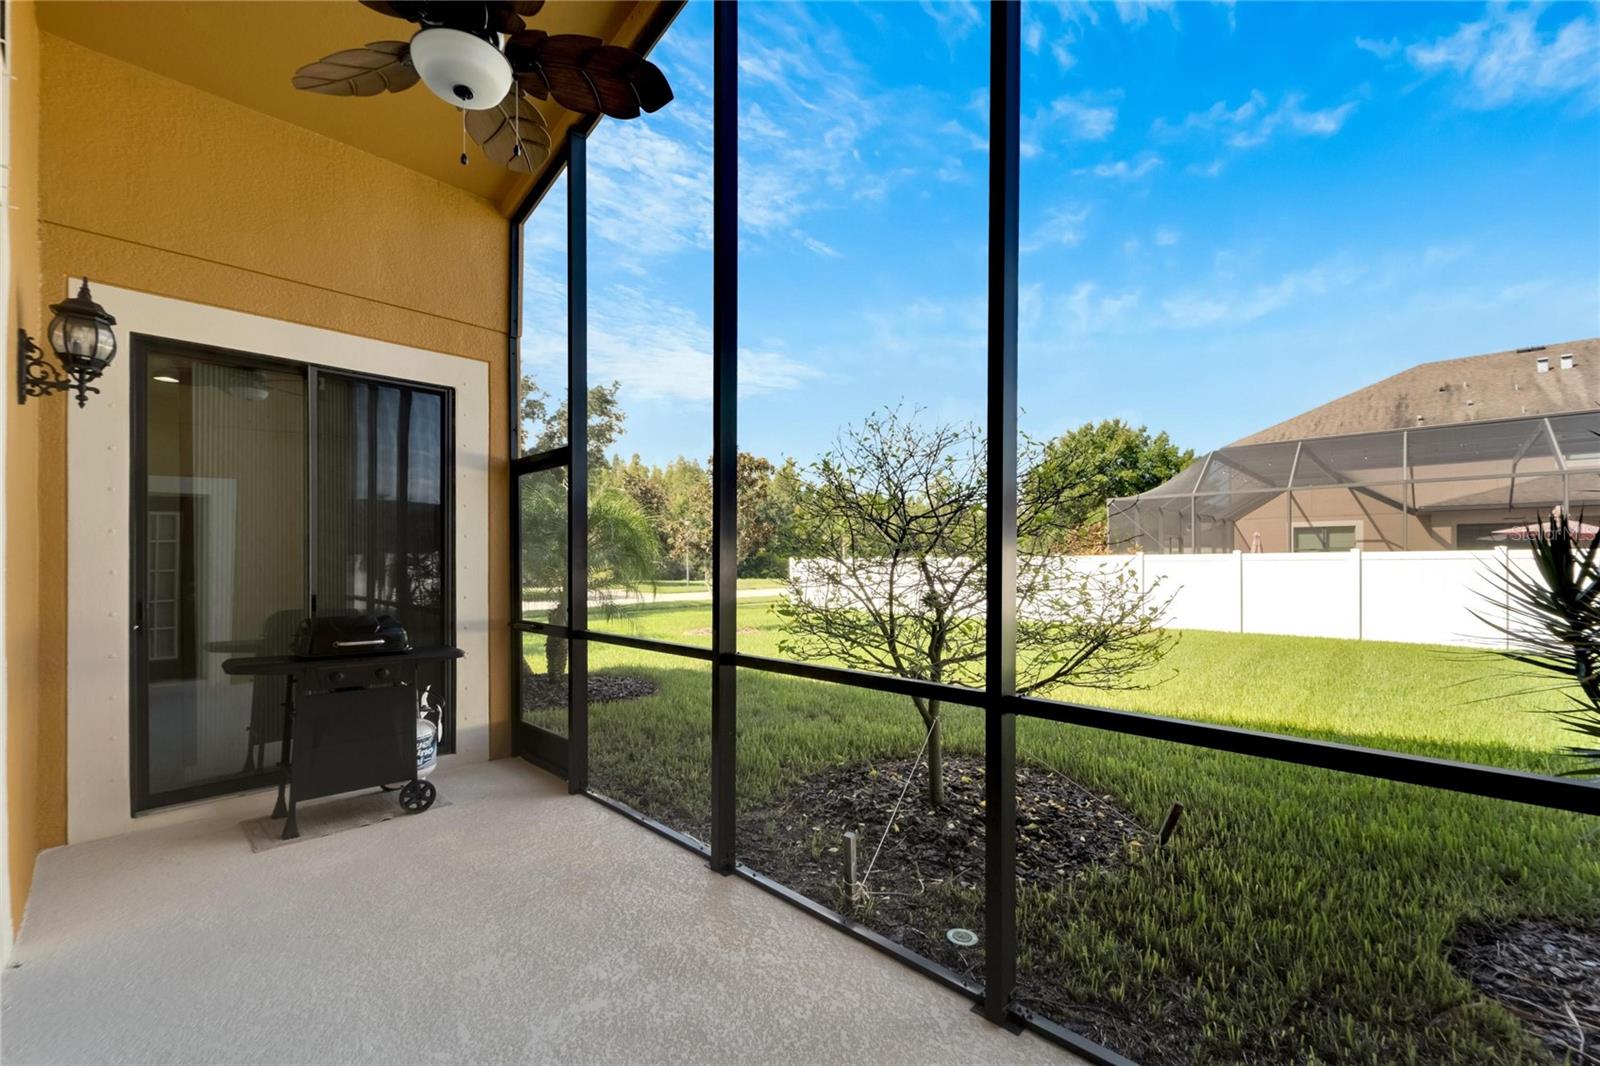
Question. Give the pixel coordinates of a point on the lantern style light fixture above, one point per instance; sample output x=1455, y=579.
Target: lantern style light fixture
x=81, y=335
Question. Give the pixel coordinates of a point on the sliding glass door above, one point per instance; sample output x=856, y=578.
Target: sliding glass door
x=264, y=492
x=381, y=534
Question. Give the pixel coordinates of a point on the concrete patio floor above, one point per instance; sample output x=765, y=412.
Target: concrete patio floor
x=517, y=924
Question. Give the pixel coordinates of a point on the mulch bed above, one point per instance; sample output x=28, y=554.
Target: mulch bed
x=1544, y=972
x=929, y=877
x=538, y=691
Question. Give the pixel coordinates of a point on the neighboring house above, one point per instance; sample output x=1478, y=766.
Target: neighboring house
x=1448, y=454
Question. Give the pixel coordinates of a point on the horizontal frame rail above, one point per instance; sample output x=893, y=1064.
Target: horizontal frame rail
x=539, y=462
x=838, y=675
x=1490, y=782
x=621, y=640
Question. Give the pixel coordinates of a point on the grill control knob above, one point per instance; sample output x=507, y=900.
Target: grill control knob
x=383, y=673
x=336, y=677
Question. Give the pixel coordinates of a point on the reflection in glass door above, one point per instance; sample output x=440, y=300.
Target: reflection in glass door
x=222, y=563
x=246, y=523
x=381, y=539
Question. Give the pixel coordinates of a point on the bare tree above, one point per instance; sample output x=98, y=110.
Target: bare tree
x=891, y=536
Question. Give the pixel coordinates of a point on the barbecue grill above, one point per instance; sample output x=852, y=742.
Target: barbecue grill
x=349, y=711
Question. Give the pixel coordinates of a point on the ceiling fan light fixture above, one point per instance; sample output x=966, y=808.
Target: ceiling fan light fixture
x=462, y=70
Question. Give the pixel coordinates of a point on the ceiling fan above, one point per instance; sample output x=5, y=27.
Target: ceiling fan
x=480, y=57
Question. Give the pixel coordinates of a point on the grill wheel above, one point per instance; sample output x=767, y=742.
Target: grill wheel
x=418, y=796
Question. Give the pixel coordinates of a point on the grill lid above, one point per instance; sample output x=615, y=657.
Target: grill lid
x=340, y=636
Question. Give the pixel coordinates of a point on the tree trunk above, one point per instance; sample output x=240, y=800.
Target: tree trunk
x=555, y=649
x=935, y=757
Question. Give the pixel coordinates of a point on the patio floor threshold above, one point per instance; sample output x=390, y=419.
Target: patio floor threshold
x=517, y=924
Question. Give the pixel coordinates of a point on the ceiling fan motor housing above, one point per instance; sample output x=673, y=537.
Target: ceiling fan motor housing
x=462, y=69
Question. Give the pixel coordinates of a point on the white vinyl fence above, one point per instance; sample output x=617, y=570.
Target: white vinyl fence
x=1410, y=597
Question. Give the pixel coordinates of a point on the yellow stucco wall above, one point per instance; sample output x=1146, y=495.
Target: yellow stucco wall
x=24, y=433
x=150, y=184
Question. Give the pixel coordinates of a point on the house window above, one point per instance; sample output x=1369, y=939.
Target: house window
x=162, y=591
x=1324, y=538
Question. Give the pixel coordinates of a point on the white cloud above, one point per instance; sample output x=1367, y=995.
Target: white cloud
x=818, y=132
x=761, y=372
x=1227, y=304
x=1032, y=29
x=929, y=327
x=1166, y=236
x=1503, y=58
x=1212, y=169
x=1126, y=169
x=1381, y=49
x=1137, y=12
x=816, y=245
x=1061, y=51
x=1087, y=310
x=1061, y=30
x=971, y=139
x=650, y=179
x=1062, y=225
x=1253, y=123
x=649, y=192
x=954, y=18
x=657, y=349
x=1230, y=9
x=1292, y=117
x=1074, y=117
x=1218, y=115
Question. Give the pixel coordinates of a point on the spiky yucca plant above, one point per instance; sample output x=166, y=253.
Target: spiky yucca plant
x=1553, y=624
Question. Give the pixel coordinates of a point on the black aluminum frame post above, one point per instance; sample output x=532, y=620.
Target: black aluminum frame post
x=577, y=461
x=1000, y=630
x=725, y=442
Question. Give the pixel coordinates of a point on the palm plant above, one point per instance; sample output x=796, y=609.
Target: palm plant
x=1552, y=623
x=623, y=549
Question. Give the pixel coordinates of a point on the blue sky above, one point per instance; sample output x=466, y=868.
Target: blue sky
x=1230, y=213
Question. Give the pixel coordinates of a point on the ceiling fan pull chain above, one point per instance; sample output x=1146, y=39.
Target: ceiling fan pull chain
x=463, y=135
x=516, y=122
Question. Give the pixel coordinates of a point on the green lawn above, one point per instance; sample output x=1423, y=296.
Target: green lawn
x=1297, y=916
x=698, y=585
x=656, y=588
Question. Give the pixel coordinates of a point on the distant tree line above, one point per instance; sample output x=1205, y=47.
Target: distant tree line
x=668, y=506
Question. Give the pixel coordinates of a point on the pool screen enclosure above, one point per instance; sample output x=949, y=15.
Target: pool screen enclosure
x=1404, y=489
x=1197, y=507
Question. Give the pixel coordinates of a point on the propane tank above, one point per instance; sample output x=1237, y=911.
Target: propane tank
x=429, y=722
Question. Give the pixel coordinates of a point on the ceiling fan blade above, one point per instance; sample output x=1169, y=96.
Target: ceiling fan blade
x=400, y=10
x=586, y=75
x=500, y=129
x=505, y=16
x=382, y=66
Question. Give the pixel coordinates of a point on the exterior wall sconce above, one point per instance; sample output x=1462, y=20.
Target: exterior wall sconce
x=80, y=333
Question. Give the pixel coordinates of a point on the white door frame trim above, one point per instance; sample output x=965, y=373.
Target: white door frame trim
x=99, y=506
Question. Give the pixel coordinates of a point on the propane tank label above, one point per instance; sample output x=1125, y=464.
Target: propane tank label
x=427, y=748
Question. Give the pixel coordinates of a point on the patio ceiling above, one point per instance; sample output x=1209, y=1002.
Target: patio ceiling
x=246, y=52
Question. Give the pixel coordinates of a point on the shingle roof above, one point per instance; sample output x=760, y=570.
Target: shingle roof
x=1499, y=385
